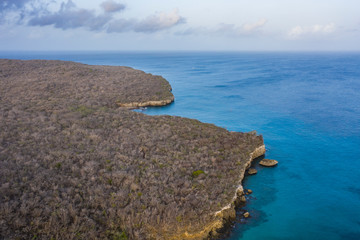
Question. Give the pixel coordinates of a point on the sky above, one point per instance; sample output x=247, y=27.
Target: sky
x=181, y=25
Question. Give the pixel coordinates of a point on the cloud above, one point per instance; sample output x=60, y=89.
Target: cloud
x=12, y=4
x=247, y=29
x=157, y=22
x=317, y=29
x=111, y=6
x=69, y=16
x=15, y=11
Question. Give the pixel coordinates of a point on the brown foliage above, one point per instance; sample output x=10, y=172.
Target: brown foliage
x=74, y=166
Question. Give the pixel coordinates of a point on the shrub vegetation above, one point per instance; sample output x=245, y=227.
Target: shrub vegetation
x=75, y=166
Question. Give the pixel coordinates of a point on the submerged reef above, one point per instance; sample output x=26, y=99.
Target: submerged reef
x=75, y=163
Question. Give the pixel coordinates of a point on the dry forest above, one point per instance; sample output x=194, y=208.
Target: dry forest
x=76, y=163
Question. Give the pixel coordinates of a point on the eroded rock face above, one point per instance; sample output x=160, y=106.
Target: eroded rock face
x=268, y=162
x=147, y=103
x=252, y=171
x=73, y=164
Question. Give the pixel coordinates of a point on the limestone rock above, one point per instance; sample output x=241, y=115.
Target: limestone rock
x=252, y=171
x=246, y=214
x=268, y=162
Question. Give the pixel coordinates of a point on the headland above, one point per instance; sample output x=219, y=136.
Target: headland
x=75, y=163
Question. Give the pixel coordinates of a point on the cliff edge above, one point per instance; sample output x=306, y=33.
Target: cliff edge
x=75, y=165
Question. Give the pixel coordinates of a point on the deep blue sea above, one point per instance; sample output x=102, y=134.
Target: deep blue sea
x=307, y=107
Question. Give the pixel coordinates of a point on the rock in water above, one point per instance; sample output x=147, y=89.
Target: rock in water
x=252, y=171
x=268, y=162
x=246, y=215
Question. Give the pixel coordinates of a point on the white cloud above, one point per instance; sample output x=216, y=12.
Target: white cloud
x=111, y=6
x=248, y=27
x=159, y=21
x=316, y=29
x=233, y=30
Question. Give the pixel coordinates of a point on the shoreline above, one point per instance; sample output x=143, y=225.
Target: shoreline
x=258, y=152
x=159, y=103
x=236, y=200
x=105, y=171
x=228, y=213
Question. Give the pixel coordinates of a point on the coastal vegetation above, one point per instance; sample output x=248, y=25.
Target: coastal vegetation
x=75, y=165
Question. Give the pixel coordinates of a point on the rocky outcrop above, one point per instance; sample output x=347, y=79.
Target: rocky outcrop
x=268, y=162
x=228, y=213
x=147, y=103
x=75, y=165
x=252, y=171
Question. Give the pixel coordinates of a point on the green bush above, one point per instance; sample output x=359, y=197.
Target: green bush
x=197, y=173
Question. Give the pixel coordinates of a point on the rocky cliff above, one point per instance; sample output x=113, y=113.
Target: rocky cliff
x=75, y=165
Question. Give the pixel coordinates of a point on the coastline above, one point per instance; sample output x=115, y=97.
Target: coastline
x=225, y=215
x=147, y=103
x=106, y=158
x=228, y=213
x=258, y=152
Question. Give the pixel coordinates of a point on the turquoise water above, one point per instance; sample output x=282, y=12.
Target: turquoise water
x=307, y=107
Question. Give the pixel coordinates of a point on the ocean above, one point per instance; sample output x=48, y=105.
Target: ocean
x=307, y=107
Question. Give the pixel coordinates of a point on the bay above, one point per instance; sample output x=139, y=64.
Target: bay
x=307, y=107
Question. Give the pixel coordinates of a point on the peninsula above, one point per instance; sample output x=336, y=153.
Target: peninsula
x=76, y=163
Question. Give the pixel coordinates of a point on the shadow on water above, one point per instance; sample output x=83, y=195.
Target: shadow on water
x=355, y=191
x=155, y=110
x=240, y=225
x=253, y=204
x=346, y=234
x=350, y=235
